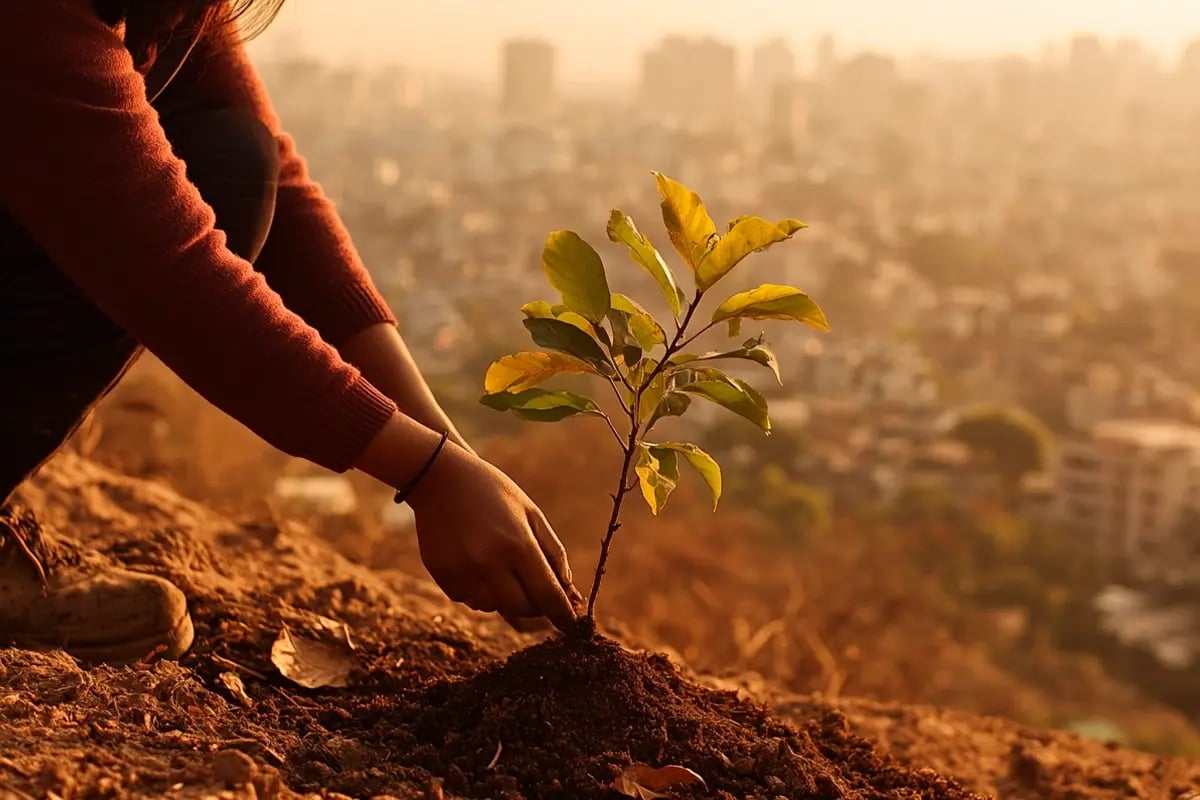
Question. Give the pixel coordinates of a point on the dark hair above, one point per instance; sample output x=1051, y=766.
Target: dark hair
x=150, y=24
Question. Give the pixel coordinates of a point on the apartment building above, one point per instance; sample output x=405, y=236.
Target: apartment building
x=1132, y=485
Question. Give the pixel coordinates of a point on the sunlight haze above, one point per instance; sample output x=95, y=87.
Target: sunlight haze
x=600, y=42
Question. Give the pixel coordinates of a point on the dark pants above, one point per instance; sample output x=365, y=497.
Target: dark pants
x=59, y=355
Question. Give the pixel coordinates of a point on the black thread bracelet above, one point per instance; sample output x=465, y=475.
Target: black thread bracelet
x=403, y=494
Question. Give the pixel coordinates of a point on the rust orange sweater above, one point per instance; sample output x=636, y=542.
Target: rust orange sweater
x=87, y=170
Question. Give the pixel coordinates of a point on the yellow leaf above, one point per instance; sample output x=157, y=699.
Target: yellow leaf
x=691, y=229
x=701, y=461
x=520, y=371
x=575, y=269
x=771, y=301
x=621, y=229
x=658, y=475
x=747, y=235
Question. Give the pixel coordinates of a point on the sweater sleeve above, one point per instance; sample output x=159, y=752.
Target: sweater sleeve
x=308, y=257
x=86, y=168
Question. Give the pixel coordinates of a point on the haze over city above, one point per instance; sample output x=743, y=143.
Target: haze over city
x=600, y=42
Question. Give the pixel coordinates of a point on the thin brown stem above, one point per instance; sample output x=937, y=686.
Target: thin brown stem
x=630, y=447
x=616, y=434
x=614, y=521
x=676, y=343
x=696, y=335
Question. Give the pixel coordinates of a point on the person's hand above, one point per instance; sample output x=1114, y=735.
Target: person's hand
x=488, y=546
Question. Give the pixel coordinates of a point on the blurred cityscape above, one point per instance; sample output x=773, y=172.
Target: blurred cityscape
x=1008, y=242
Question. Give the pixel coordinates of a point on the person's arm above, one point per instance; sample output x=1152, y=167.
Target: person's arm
x=384, y=358
x=87, y=170
x=309, y=257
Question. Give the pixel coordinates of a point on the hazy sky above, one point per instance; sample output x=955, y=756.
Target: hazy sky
x=601, y=38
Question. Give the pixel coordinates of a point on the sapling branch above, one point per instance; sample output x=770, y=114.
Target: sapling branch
x=616, y=434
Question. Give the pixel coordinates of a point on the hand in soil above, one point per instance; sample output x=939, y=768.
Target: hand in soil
x=487, y=545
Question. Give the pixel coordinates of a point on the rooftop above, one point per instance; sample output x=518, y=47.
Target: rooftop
x=1159, y=435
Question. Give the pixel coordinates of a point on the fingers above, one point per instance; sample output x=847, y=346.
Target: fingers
x=473, y=593
x=510, y=596
x=555, y=554
x=544, y=589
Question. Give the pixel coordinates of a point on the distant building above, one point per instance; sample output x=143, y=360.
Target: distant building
x=786, y=119
x=826, y=57
x=772, y=65
x=1188, y=67
x=527, y=78
x=1131, y=485
x=691, y=81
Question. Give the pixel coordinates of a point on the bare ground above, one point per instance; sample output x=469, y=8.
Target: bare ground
x=432, y=701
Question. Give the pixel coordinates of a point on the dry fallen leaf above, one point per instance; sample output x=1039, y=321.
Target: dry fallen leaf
x=644, y=782
x=310, y=663
x=318, y=625
x=234, y=684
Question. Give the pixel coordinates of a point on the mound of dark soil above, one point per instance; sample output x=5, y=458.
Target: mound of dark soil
x=568, y=715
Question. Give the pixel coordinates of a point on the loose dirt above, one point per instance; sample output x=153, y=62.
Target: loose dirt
x=447, y=703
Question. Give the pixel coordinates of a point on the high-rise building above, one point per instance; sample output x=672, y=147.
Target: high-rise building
x=528, y=80
x=693, y=81
x=772, y=63
x=1189, y=61
x=786, y=120
x=827, y=57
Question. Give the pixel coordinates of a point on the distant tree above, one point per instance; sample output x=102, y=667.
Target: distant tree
x=952, y=257
x=802, y=510
x=1011, y=441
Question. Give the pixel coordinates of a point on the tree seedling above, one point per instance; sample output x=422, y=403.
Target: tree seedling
x=595, y=331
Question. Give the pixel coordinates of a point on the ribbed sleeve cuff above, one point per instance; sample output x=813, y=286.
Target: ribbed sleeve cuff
x=352, y=308
x=362, y=414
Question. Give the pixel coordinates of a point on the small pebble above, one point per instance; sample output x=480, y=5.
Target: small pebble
x=233, y=767
x=744, y=766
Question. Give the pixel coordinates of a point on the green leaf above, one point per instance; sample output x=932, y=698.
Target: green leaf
x=538, y=309
x=701, y=461
x=540, y=405
x=644, y=327
x=673, y=404
x=622, y=230
x=754, y=350
x=564, y=337
x=575, y=269
x=658, y=475
x=736, y=395
x=697, y=372
x=521, y=371
x=771, y=301
x=746, y=235
x=623, y=344
x=652, y=395
x=691, y=229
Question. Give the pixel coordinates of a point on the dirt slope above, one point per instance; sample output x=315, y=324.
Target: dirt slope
x=428, y=697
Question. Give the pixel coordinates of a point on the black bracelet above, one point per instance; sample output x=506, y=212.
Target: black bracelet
x=403, y=494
